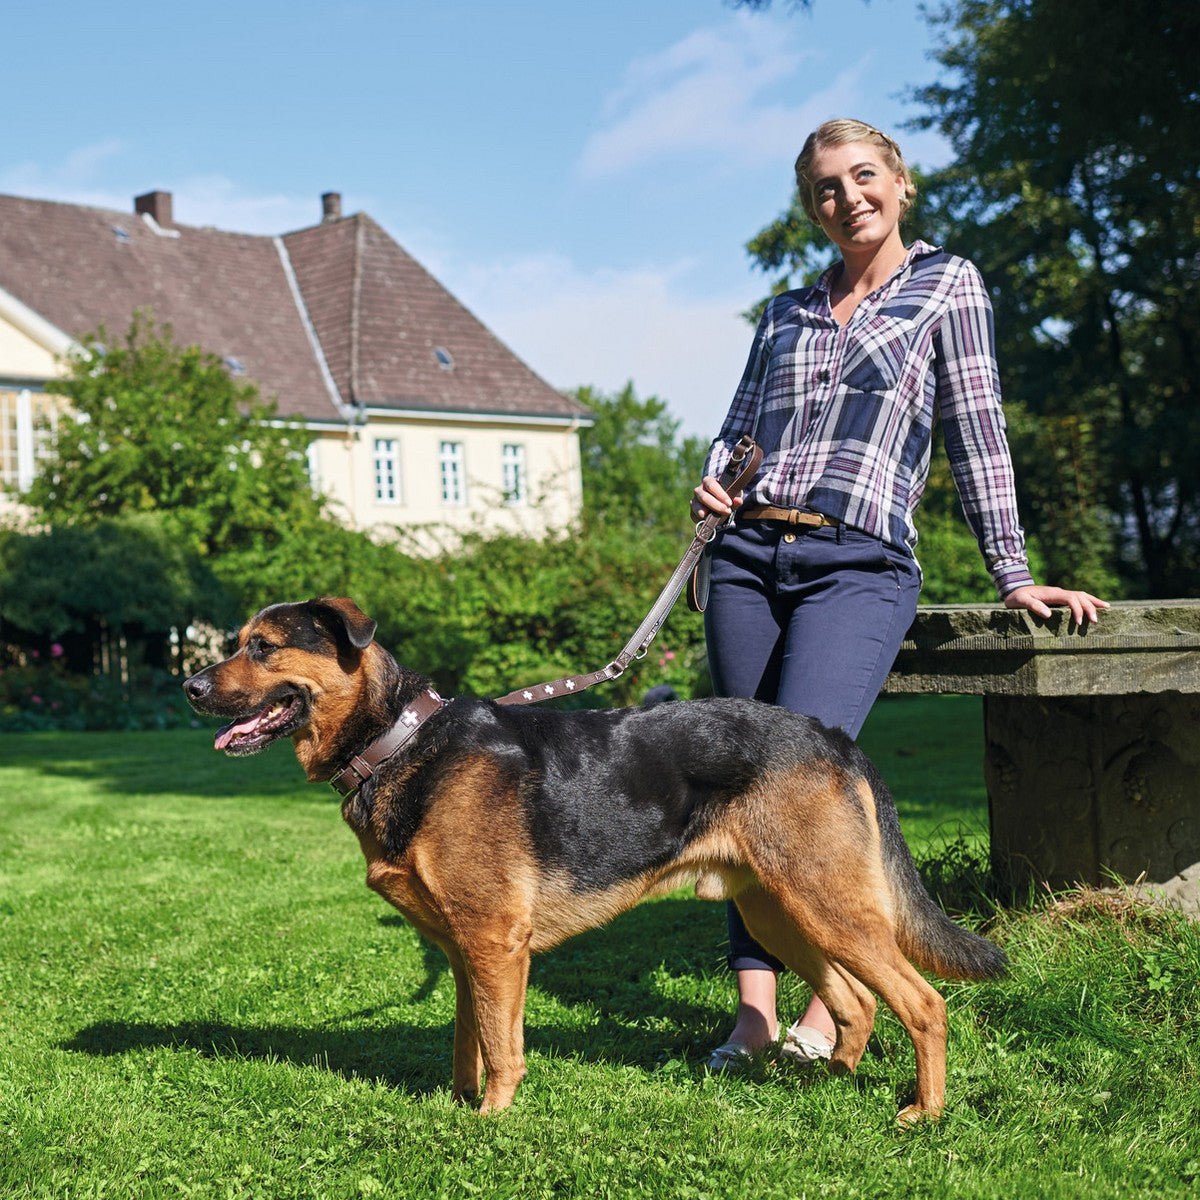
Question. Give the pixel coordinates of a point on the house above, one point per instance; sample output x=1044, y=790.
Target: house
x=422, y=416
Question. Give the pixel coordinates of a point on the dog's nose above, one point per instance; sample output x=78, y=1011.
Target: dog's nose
x=197, y=687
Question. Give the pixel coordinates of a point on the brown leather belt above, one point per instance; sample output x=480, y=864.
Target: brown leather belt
x=789, y=516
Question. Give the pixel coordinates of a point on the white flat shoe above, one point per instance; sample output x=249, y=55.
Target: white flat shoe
x=804, y=1044
x=732, y=1058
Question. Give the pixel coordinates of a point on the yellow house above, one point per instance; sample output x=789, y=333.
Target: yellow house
x=423, y=419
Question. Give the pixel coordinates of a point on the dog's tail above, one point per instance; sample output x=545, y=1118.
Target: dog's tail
x=925, y=934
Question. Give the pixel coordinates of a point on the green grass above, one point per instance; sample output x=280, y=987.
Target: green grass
x=198, y=996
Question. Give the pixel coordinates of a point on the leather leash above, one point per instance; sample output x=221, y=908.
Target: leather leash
x=741, y=468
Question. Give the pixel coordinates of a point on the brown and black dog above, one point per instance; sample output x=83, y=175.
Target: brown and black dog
x=502, y=831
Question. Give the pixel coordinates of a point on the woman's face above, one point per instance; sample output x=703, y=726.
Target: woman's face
x=856, y=196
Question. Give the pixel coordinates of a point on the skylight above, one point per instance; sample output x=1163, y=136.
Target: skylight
x=122, y=234
x=235, y=365
x=445, y=359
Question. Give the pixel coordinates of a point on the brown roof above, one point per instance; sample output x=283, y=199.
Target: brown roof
x=377, y=314
x=380, y=316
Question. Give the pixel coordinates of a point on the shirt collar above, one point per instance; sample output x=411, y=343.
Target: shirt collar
x=917, y=250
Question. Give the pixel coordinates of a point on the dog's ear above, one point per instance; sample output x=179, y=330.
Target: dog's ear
x=345, y=618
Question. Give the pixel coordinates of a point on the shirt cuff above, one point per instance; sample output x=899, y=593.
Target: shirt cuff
x=1008, y=576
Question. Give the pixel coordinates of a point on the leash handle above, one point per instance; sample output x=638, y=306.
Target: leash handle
x=743, y=464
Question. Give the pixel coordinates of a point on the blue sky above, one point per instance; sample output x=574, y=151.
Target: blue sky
x=582, y=175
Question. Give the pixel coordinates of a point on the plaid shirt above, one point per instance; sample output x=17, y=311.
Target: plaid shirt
x=845, y=414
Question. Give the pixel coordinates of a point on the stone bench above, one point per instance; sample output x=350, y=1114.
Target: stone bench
x=1092, y=757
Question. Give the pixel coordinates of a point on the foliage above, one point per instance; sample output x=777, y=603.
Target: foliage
x=45, y=697
x=503, y=611
x=200, y=998
x=637, y=471
x=130, y=572
x=1076, y=129
x=156, y=427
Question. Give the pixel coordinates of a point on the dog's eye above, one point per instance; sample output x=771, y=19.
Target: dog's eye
x=260, y=647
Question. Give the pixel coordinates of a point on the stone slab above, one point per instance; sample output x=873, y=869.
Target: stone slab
x=1136, y=647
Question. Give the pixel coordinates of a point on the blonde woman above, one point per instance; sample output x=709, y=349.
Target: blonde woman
x=815, y=583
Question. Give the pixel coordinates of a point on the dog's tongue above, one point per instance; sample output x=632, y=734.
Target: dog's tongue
x=227, y=733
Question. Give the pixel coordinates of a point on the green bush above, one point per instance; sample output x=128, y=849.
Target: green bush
x=43, y=697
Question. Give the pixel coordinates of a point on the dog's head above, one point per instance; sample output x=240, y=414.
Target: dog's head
x=300, y=671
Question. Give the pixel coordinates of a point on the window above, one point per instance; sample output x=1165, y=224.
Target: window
x=445, y=359
x=387, y=471
x=313, y=461
x=27, y=420
x=454, y=488
x=513, y=461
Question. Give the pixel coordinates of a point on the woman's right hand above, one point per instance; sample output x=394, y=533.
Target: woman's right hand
x=710, y=497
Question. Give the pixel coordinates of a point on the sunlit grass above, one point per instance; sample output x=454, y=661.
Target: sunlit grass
x=199, y=997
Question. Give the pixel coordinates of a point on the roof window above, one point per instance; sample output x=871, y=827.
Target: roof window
x=121, y=233
x=445, y=359
x=235, y=365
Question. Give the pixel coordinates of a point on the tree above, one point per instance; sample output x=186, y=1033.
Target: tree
x=637, y=470
x=156, y=427
x=1076, y=131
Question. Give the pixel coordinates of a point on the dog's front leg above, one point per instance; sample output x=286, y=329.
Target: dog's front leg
x=468, y=1062
x=498, y=966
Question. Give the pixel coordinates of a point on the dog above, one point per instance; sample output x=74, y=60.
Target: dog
x=501, y=831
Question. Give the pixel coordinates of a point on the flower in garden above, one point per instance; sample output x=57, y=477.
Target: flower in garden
x=56, y=651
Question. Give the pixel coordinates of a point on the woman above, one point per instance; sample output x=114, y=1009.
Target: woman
x=815, y=584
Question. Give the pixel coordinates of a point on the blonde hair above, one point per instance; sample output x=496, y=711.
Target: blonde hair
x=839, y=133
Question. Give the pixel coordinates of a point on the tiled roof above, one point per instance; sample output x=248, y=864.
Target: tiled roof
x=377, y=313
x=380, y=317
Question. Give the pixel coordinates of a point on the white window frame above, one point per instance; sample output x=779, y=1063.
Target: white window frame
x=453, y=471
x=386, y=462
x=30, y=439
x=514, y=474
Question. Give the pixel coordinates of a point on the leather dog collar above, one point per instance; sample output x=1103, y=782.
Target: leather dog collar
x=363, y=766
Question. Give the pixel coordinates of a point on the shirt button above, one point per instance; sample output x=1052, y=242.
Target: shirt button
x=823, y=376
x=789, y=537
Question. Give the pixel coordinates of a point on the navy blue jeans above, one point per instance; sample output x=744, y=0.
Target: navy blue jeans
x=810, y=619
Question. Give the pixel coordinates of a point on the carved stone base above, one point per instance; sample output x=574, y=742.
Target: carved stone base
x=1081, y=787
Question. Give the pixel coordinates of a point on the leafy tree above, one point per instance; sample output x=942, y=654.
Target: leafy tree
x=1076, y=131
x=637, y=470
x=162, y=428
x=129, y=575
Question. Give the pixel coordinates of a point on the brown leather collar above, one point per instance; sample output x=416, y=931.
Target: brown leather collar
x=363, y=766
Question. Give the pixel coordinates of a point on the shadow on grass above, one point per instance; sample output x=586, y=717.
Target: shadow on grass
x=615, y=973
x=618, y=968
x=175, y=762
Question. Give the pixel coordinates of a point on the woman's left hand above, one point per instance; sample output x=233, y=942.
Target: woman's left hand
x=1038, y=598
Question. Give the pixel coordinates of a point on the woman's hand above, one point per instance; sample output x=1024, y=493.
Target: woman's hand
x=1038, y=599
x=711, y=497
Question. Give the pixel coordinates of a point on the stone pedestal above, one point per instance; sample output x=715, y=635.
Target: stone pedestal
x=1093, y=734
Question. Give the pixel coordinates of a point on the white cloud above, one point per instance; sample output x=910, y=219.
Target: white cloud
x=606, y=327
x=723, y=91
x=84, y=177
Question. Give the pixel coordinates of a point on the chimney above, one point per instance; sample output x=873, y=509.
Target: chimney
x=331, y=207
x=157, y=205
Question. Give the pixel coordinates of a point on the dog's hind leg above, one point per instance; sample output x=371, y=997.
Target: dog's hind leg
x=497, y=965
x=864, y=945
x=850, y=1004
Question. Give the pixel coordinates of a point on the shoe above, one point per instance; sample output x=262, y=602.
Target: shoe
x=732, y=1058
x=804, y=1044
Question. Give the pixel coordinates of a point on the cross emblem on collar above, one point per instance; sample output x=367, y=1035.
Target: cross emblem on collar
x=409, y=718
x=527, y=695
x=548, y=690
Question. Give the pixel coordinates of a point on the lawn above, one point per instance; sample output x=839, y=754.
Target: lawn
x=200, y=997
